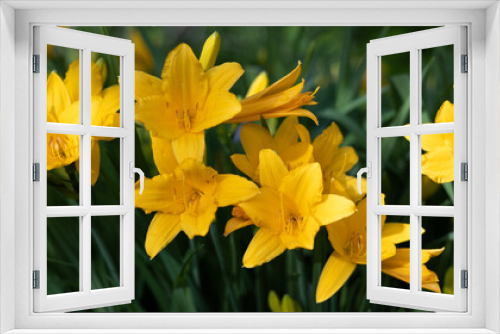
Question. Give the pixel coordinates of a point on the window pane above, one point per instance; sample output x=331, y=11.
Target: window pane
x=63, y=177
x=438, y=169
x=437, y=254
x=63, y=255
x=395, y=170
x=105, y=167
x=395, y=83
x=105, y=252
x=105, y=91
x=395, y=251
x=63, y=85
x=437, y=85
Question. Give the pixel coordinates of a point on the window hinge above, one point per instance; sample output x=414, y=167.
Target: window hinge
x=465, y=279
x=36, y=279
x=465, y=64
x=36, y=172
x=36, y=63
x=464, y=171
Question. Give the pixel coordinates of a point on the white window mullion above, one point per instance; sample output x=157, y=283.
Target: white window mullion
x=415, y=268
x=85, y=172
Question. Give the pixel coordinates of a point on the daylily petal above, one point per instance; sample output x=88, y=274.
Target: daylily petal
x=234, y=224
x=110, y=105
x=333, y=208
x=161, y=193
x=264, y=247
x=152, y=111
x=162, y=230
x=297, y=155
x=396, y=232
x=245, y=166
x=58, y=98
x=143, y=58
x=95, y=161
x=271, y=169
x=62, y=150
x=184, y=81
x=210, y=51
x=72, y=80
x=305, y=185
x=432, y=286
x=263, y=210
x=427, y=254
x=196, y=222
x=258, y=84
x=163, y=155
x=189, y=145
x=438, y=164
x=280, y=85
x=71, y=115
x=146, y=85
x=432, y=142
x=302, y=237
x=253, y=139
x=333, y=276
x=445, y=113
x=223, y=77
x=219, y=107
x=326, y=145
x=286, y=135
x=345, y=158
x=232, y=189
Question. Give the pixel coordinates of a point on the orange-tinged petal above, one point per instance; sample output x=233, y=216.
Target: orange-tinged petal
x=232, y=189
x=152, y=111
x=263, y=210
x=344, y=159
x=234, y=224
x=162, y=230
x=163, y=155
x=304, y=185
x=264, y=247
x=286, y=135
x=280, y=85
x=189, y=146
x=271, y=169
x=326, y=145
x=438, y=164
x=253, y=139
x=245, y=166
x=334, y=275
x=146, y=85
x=241, y=118
x=184, y=81
x=445, y=113
x=95, y=161
x=224, y=76
x=258, y=84
x=303, y=134
x=297, y=155
x=210, y=51
x=432, y=286
x=333, y=208
x=197, y=220
x=58, y=98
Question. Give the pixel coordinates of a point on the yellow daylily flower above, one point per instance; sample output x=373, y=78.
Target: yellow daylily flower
x=210, y=51
x=278, y=100
x=285, y=142
x=335, y=161
x=186, y=200
x=144, y=60
x=258, y=84
x=438, y=161
x=287, y=304
x=348, y=238
x=289, y=209
x=63, y=106
x=186, y=100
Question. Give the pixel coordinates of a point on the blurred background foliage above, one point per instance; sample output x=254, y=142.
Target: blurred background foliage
x=206, y=274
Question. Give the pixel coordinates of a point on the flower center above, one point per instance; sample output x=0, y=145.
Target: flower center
x=60, y=146
x=293, y=223
x=185, y=114
x=355, y=245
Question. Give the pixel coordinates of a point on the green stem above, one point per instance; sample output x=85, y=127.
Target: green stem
x=214, y=235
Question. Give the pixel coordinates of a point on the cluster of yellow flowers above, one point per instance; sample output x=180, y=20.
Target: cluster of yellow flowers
x=296, y=185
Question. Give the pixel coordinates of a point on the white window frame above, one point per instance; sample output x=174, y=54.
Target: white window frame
x=86, y=297
x=483, y=21
x=413, y=44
